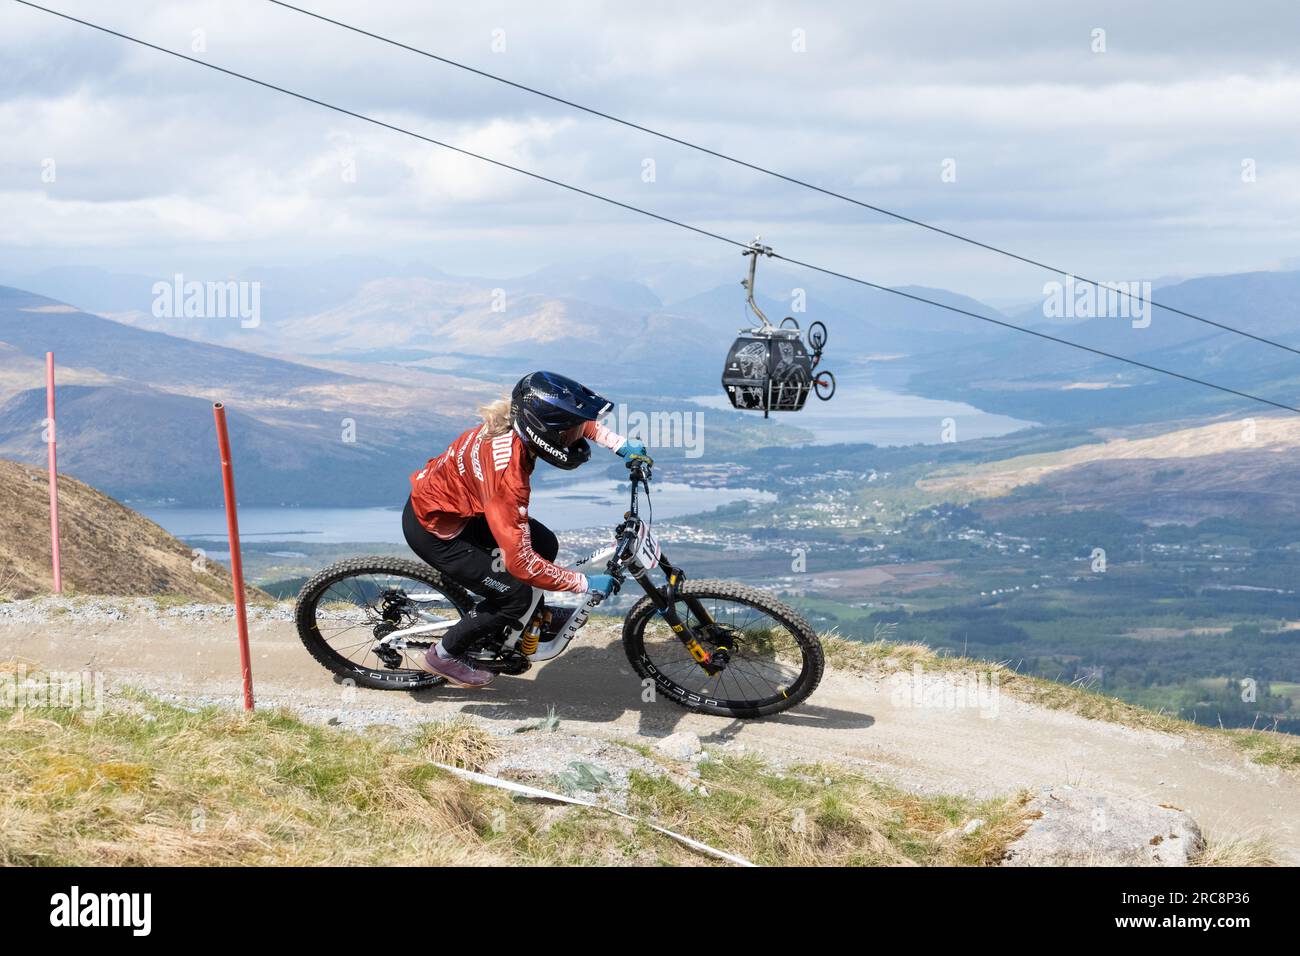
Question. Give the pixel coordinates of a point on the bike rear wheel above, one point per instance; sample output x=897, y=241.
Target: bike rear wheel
x=775, y=662
x=344, y=610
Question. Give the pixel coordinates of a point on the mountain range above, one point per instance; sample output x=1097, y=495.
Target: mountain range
x=135, y=413
x=358, y=370
x=662, y=329
x=1018, y=374
x=135, y=407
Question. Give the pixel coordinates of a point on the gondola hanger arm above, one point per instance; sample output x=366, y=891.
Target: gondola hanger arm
x=756, y=249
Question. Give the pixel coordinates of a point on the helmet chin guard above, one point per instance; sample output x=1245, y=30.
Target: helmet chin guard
x=546, y=405
x=567, y=458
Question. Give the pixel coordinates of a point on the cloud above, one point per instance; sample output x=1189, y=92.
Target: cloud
x=1127, y=162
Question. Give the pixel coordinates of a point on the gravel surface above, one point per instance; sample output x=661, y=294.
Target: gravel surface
x=46, y=610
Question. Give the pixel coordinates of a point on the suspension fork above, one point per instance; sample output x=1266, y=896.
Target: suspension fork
x=665, y=600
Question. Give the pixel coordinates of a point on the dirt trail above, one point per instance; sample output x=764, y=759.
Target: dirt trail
x=998, y=748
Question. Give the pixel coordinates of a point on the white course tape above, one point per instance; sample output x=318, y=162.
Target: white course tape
x=536, y=794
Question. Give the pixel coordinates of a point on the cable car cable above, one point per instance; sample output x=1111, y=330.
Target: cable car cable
x=653, y=215
x=1101, y=286
x=1034, y=332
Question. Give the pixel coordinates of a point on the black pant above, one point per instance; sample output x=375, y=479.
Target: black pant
x=469, y=559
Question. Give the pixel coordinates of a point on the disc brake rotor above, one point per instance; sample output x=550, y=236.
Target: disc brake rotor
x=721, y=641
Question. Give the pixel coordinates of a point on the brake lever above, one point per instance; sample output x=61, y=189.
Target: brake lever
x=601, y=597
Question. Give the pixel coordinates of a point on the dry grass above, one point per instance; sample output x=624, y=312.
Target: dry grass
x=146, y=783
x=1268, y=747
x=859, y=657
x=152, y=784
x=10, y=586
x=159, y=785
x=109, y=549
x=456, y=743
x=1236, y=852
x=823, y=815
x=1079, y=700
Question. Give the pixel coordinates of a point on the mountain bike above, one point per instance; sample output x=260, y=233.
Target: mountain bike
x=718, y=647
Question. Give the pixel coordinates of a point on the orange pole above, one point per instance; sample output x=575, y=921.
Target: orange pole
x=236, y=558
x=54, y=473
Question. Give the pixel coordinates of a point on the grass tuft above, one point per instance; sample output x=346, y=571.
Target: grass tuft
x=1236, y=852
x=1269, y=747
x=457, y=743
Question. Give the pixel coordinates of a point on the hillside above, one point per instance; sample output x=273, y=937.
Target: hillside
x=106, y=548
x=135, y=413
x=144, y=445
x=1016, y=374
x=34, y=324
x=1237, y=468
x=641, y=329
x=892, y=760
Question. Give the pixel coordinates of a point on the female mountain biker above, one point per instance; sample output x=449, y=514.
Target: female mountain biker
x=468, y=511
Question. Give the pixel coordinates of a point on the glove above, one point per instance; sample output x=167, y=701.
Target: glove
x=600, y=584
x=632, y=447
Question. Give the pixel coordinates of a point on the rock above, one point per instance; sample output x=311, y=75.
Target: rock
x=680, y=746
x=1077, y=827
x=972, y=826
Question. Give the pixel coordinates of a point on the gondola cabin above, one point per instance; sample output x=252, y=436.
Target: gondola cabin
x=769, y=368
x=769, y=371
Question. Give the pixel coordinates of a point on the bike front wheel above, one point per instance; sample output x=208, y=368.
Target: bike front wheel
x=774, y=659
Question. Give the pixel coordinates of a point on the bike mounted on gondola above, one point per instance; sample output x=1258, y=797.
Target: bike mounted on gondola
x=769, y=367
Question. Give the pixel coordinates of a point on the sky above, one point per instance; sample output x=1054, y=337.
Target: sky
x=1164, y=145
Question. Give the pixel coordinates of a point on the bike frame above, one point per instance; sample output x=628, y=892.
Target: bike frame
x=635, y=553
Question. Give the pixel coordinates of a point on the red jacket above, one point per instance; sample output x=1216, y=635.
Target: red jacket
x=482, y=475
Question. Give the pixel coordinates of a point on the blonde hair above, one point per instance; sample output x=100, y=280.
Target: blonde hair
x=496, y=416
